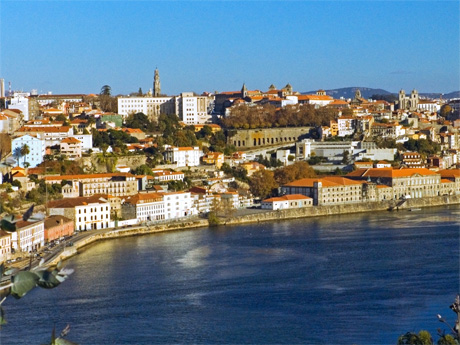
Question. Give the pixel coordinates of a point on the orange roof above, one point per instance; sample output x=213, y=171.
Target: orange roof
x=338, y=101
x=315, y=97
x=144, y=198
x=44, y=129
x=87, y=176
x=450, y=173
x=390, y=172
x=446, y=181
x=80, y=201
x=288, y=197
x=132, y=130
x=70, y=140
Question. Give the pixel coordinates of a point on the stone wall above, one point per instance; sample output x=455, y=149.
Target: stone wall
x=98, y=164
x=254, y=138
x=343, y=209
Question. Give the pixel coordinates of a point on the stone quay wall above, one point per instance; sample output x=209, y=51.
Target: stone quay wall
x=315, y=211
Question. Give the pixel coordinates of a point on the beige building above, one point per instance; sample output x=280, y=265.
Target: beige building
x=115, y=184
x=413, y=183
x=28, y=237
x=5, y=245
x=330, y=190
x=287, y=202
x=71, y=147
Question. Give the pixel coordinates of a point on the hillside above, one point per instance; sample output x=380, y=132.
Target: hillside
x=366, y=92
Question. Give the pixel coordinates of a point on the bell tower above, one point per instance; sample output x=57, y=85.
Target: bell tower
x=156, y=84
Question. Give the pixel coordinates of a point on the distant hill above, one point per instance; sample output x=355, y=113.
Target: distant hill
x=367, y=92
x=450, y=95
x=349, y=92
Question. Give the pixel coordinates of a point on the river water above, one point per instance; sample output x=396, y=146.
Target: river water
x=353, y=279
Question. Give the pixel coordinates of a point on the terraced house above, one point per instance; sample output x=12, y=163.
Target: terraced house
x=116, y=184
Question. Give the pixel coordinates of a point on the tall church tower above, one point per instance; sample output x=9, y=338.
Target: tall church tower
x=244, y=91
x=156, y=84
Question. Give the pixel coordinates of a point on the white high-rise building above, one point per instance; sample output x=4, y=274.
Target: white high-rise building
x=2, y=87
x=20, y=101
x=193, y=109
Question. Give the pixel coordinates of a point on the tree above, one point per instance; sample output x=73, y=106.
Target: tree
x=346, y=157
x=293, y=172
x=139, y=93
x=25, y=151
x=446, y=110
x=106, y=90
x=262, y=183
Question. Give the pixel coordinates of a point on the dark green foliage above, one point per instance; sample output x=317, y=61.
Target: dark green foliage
x=112, y=138
x=317, y=160
x=143, y=170
x=39, y=194
x=422, y=146
x=237, y=172
x=269, y=163
x=141, y=121
x=213, y=219
x=390, y=98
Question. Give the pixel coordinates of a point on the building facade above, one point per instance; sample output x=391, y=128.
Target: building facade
x=87, y=213
x=37, y=150
x=183, y=156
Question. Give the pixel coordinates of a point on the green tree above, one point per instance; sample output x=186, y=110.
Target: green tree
x=106, y=90
x=143, y=170
x=25, y=150
x=346, y=157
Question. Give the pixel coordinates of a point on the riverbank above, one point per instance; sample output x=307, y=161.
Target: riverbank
x=258, y=216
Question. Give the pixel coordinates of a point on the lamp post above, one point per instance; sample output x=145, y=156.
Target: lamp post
x=456, y=309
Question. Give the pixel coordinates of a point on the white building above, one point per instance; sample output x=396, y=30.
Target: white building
x=37, y=150
x=287, y=202
x=189, y=108
x=332, y=150
x=86, y=140
x=52, y=135
x=160, y=175
x=144, y=207
x=29, y=236
x=346, y=125
x=183, y=156
x=87, y=212
x=193, y=109
x=20, y=101
x=427, y=105
x=150, y=106
x=177, y=205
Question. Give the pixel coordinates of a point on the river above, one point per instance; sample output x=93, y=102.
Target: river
x=354, y=279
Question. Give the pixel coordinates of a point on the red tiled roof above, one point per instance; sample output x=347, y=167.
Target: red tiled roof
x=288, y=197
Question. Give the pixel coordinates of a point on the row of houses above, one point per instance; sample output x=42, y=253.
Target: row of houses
x=370, y=185
x=31, y=236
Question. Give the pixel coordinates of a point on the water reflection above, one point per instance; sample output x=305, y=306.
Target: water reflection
x=303, y=281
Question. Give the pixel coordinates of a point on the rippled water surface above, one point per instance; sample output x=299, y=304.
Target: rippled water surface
x=357, y=279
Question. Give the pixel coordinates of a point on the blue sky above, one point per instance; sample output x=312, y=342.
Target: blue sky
x=79, y=46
